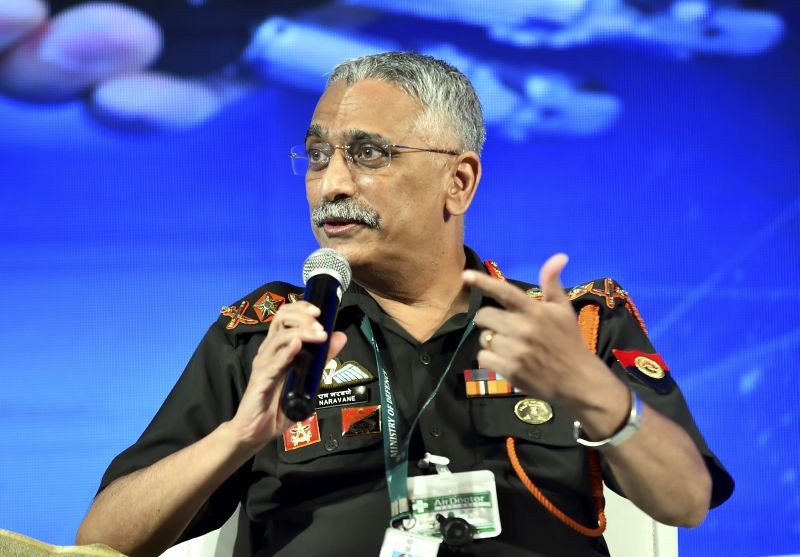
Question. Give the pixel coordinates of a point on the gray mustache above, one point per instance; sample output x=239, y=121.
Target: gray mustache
x=346, y=209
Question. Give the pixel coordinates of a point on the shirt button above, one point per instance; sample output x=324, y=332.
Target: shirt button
x=425, y=358
x=435, y=431
x=331, y=444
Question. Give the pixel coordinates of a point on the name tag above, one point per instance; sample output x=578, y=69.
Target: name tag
x=341, y=397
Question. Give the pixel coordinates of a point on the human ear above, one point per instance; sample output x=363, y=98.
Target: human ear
x=463, y=183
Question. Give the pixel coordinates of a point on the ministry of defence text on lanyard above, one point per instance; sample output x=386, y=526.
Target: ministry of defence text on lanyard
x=395, y=440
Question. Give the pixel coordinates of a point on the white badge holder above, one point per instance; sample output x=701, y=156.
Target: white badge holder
x=471, y=496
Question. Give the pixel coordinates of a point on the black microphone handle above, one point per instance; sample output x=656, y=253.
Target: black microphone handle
x=302, y=381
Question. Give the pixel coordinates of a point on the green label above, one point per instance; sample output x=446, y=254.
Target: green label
x=451, y=502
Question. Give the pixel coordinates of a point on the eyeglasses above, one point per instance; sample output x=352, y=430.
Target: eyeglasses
x=364, y=155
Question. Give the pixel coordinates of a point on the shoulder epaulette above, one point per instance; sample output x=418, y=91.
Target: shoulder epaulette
x=605, y=291
x=253, y=312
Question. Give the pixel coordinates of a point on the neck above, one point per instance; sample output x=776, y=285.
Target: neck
x=421, y=296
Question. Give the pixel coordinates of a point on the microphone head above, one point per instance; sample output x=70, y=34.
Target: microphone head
x=327, y=261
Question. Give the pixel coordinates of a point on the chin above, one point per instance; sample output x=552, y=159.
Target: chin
x=361, y=253
x=348, y=248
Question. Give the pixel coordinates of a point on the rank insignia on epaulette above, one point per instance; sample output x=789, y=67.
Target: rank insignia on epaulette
x=267, y=306
x=533, y=411
x=493, y=269
x=535, y=293
x=337, y=374
x=295, y=297
x=578, y=291
x=348, y=395
x=485, y=382
x=302, y=434
x=237, y=315
x=610, y=291
x=364, y=420
x=648, y=368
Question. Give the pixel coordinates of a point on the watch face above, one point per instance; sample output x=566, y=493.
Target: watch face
x=204, y=36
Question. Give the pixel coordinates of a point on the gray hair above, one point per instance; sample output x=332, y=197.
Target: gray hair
x=449, y=98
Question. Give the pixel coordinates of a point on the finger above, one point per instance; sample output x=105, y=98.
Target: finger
x=498, y=320
x=338, y=340
x=302, y=311
x=278, y=342
x=497, y=362
x=507, y=295
x=296, y=315
x=487, y=359
x=153, y=102
x=550, y=278
x=18, y=18
x=79, y=48
x=313, y=334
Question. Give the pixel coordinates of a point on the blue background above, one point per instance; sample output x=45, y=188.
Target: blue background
x=118, y=249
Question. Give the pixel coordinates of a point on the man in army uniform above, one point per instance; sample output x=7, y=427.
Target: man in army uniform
x=492, y=374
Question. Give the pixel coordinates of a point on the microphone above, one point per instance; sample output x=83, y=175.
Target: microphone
x=326, y=275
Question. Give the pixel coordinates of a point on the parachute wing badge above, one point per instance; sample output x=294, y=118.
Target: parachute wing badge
x=347, y=374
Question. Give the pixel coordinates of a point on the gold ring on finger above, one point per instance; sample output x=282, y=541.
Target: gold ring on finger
x=487, y=338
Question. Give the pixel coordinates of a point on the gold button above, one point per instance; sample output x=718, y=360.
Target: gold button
x=533, y=411
x=649, y=367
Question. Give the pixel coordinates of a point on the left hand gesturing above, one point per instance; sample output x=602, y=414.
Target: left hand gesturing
x=536, y=345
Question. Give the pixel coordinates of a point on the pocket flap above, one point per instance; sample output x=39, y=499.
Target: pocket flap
x=498, y=417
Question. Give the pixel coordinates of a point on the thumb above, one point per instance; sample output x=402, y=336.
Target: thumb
x=550, y=278
x=338, y=340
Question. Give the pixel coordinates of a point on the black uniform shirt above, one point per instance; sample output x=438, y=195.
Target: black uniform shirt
x=329, y=497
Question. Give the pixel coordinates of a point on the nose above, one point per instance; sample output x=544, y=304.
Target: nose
x=337, y=179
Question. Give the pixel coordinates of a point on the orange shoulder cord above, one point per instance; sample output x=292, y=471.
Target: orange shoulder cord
x=589, y=323
x=635, y=312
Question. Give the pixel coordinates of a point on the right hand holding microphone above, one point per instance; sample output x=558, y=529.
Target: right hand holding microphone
x=259, y=418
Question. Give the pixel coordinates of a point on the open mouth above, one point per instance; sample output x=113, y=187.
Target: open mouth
x=333, y=227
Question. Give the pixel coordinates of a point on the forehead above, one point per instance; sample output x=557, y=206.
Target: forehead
x=372, y=106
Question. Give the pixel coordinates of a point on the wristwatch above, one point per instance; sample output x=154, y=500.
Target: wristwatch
x=630, y=427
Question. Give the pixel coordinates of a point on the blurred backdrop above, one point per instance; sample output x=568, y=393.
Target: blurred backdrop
x=144, y=183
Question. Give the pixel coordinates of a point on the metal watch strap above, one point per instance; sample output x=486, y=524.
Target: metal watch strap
x=629, y=428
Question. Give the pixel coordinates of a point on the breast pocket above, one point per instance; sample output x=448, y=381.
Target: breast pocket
x=525, y=419
x=544, y=444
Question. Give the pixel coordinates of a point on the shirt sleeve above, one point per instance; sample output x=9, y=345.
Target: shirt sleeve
x=628, y=352
x=206, y=394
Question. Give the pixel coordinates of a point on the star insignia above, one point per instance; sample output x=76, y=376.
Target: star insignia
x=267, y=306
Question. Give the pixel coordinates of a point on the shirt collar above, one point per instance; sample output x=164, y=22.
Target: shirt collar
x=357, y=301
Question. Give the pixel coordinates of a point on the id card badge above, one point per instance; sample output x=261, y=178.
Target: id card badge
x=468, y=495
x=401, y=543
